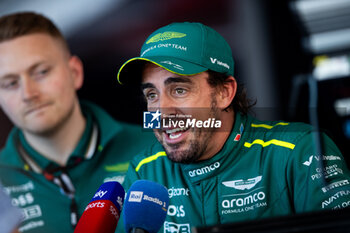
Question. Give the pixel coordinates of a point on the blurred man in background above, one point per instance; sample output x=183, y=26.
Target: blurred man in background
x=60, y=150
x=220, y=164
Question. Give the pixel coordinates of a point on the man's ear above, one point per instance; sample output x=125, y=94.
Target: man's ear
x=227, y=93
x=77, y=71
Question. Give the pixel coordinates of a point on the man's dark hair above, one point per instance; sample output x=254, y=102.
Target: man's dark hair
x=240, y=103
x=26, y=23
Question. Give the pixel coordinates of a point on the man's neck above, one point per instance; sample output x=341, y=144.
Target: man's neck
x=59, y=145
x=220, y=136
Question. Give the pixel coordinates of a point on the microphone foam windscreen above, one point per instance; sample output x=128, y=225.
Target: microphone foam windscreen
x=112, y=191
x=103, y=212
x=145, y=206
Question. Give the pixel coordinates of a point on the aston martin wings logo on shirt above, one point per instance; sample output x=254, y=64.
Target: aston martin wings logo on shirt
x=243, y=184
x=165, y=36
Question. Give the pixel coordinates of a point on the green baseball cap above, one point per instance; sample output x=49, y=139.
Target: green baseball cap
x=183, y=48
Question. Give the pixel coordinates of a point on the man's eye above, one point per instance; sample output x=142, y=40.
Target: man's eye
x=151, y=96
x=180, y=91
x=40, y=73
x=9, y=84
x=43, y=71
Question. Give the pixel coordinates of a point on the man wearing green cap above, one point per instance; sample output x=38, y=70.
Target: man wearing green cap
x=221, y=165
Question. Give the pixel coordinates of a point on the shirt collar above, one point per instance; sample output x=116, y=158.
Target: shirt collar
x=197, y=172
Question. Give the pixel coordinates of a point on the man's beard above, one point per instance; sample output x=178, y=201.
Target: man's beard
x=193, y=153
x=196, y=146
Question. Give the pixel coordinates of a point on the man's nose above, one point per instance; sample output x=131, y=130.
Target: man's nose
x=29, y=88
x=167, y=105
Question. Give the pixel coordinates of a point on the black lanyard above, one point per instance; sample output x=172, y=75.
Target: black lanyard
x=63, y=180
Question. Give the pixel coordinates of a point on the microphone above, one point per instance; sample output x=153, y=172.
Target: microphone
x=102, y=213
x=146, y=206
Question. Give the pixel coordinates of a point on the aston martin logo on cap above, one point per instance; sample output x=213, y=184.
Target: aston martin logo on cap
x=165, y=36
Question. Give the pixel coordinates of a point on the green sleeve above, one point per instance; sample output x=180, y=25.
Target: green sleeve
x=310, y=190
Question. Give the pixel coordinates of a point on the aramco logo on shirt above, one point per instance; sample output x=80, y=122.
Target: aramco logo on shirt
x=204, y=170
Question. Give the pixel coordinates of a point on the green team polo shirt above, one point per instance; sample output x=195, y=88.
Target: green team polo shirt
x=45, y=207
x=265, y=169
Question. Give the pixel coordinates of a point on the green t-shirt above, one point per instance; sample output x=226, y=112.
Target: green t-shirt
x=45, y=207
x=265, y=169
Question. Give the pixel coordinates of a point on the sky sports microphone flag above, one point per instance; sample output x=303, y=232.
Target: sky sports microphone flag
x=146, y=206
x=102, y=213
